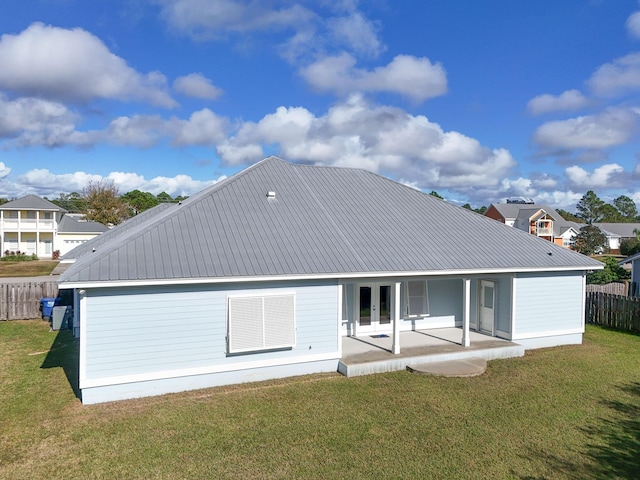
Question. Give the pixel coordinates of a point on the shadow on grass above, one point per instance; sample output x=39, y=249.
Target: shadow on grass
x=613, y=447
x=65, y=354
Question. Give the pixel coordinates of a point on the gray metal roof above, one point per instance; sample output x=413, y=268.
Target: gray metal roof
x=322, y=221
x=112, y=233
x=73, y=225
x=31, y=202
x=624, y=230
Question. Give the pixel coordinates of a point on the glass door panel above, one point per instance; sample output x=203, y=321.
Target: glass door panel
x=385, y=304
x=365, y=306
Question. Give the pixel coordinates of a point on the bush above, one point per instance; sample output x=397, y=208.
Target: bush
x=18, y=256
x=629, y=246
x=612, y=272
x=55, y=255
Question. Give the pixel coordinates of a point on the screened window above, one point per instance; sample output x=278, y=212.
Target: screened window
x=417, y=298
x=261, y=323
x=348, y=293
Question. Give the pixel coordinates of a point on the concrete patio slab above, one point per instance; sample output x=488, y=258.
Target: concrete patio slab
x=469, y=367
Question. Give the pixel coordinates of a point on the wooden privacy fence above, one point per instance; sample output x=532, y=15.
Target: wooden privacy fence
x=615, y=288
x=614, y=311
x=20, y=301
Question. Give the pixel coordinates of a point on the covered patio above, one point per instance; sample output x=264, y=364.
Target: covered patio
x=367, y=354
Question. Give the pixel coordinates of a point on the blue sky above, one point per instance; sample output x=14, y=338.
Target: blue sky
x=479, y=101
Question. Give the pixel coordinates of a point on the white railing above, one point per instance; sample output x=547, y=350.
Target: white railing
x=27, y=224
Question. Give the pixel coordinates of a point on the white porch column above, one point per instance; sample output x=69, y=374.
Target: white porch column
x=466, y=341
x=396, y=320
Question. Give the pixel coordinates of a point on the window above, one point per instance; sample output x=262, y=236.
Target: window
x=416, y=298
x=261, y=323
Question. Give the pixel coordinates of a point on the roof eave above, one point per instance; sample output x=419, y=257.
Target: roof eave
x=327, y=276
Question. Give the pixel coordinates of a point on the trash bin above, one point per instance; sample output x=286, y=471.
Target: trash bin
x=46, y=306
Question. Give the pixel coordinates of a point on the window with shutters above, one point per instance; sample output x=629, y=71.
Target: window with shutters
x=261, y=323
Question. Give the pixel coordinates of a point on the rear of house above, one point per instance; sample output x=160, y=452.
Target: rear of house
x=262, y=275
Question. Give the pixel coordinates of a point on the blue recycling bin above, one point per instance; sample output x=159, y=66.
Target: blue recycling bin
x=46, y=306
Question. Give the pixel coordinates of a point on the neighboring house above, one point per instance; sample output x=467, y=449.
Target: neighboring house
x=74, y=230
x=539, y=220
x=617, y=232
x=634, y=260
x=263, y=275
x=33, y=225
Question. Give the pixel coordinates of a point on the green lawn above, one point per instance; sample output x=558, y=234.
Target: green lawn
x=568, y=412
x=33, y=268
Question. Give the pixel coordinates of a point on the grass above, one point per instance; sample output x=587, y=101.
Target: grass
x=567, y=412
x=34, y=268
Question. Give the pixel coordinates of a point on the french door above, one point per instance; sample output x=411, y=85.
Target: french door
x=374, y=308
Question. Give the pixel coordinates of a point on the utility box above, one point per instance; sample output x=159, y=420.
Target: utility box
x=61, y=318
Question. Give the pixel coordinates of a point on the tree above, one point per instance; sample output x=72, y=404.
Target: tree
x=612, y=272
x=72, y=202
x=103, y=204
x=568, y=216
x=139, y=201
x=629, y=246
x=610, y=214
x=627, y=208
x=590, y=240
x=589, y=207
x=164, y=197
x=436, y=194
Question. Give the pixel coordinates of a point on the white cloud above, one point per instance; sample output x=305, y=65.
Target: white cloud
x=412, y=77
x=302, y=31
x=73, y=65
x=378, y=138
x=569, y=100
x=559, y=199
x=355, y=32
x=618, y=77
x=605, y=176
x=45, y=183
x=203, y=128
x=612, y=127
x=633, y=25
x=206, y=19
x=4, y=170
x=198, y=86
x=32, y=121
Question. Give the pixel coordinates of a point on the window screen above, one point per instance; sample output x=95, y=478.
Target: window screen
x=261, y=323
x=417, y=300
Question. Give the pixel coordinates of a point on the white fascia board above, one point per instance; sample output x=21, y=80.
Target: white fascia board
x=330, y=276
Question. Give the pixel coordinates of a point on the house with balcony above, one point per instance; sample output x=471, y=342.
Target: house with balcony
x=35, y=226
x=539, y=220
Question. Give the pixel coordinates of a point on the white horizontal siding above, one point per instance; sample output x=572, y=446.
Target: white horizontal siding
x=547, y=304
x=143, y=330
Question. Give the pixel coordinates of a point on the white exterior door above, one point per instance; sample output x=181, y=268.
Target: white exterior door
x=487, y=306
x=374, y=308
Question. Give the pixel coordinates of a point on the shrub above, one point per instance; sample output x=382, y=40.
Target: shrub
x=18, y=256
x=55, y=255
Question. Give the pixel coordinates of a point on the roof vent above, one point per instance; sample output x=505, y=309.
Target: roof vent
x=271, y=194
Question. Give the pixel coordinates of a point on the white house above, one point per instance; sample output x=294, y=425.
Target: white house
x=33, y=225
x=264, y=274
